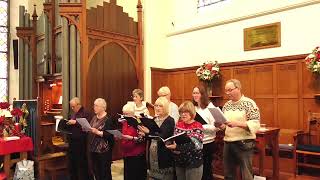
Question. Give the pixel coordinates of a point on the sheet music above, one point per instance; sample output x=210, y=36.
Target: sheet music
x=84, y=124
x=217, y=115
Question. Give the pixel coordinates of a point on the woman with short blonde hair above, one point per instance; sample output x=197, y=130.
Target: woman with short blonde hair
x=160, y=158
x=162, y=101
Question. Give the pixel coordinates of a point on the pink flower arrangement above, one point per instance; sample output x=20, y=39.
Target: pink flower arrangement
x=208, y=71
x=313, y=60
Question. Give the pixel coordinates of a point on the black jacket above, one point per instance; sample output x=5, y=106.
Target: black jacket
x=165, y=156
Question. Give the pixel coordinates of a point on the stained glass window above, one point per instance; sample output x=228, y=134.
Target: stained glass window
x=4, y=50
x=204, y=3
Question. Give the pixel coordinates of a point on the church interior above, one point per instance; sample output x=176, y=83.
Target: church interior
x=52, y=51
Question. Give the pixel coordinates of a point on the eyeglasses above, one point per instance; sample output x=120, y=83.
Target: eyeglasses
x=229, y=90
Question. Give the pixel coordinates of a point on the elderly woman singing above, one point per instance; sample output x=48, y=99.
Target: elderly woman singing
x=100, y=141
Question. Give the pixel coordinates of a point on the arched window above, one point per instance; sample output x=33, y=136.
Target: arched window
x=4, y=36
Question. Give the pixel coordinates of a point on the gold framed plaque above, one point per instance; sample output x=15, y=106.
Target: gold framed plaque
x=261, y=37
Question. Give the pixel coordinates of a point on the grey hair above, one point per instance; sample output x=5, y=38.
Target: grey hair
x=101, y=102
x=235, y=82
x=128, y=108
x=76, y=100
x=163, y=91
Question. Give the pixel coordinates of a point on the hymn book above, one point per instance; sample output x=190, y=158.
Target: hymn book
x=218, y=115
x=143, y=121
x=200, y=119
x=63, y=126
x=180, y=138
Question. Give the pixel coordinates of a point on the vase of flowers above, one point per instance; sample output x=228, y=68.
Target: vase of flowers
x=313, y=61
x=12, y=122
x=207, y=72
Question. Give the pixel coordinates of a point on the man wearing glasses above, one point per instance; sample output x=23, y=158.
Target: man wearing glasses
x=243, y=122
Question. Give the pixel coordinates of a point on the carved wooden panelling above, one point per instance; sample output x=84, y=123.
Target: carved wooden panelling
x=111, y=76
x=160, y=79
x=266, y=107
x=288, y=113
x=176, y=84
x=263, y=80
x=287, y=79
x=243, y=75
x=226, y=74
x=282, y=88
x=190, y=81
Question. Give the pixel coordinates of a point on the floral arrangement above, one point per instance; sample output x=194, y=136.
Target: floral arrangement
x=208, y=71
x=12, y=122
x=313, y=60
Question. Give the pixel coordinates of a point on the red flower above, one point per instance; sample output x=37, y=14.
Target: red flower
x=318, y=56
x=16, y=112
x=4, y=105
x=2, y=118
x=209, y=66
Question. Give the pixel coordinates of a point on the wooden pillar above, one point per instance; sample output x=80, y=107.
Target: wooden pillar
x=85, y=55
x=140, y=60
x=34, y=53
x=73, y=61
x=21, y=55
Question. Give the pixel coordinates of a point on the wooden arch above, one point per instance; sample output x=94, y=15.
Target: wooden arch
x=104, y=43
x=77, y=14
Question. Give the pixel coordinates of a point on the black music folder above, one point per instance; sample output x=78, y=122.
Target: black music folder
x=180, y=138
x=200, y=119
x=64, y=127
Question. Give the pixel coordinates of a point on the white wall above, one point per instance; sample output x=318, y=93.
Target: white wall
x=14, y=22
x=187, y=43
x=225, y=43
x=167, y=47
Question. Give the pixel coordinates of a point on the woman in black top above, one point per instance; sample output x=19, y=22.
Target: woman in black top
x=101, y=142
x=160, y=157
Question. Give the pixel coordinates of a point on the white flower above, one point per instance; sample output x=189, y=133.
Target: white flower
x=311, y=56
x=5, y=113
x=215, y=69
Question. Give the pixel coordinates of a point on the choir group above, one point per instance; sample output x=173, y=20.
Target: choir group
x=147, y=155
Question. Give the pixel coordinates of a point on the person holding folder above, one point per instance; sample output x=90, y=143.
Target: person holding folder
x=77, y=139
x=160, y=158
x=188, y=156
x=201, y=101
x=134, y=148
x=100, y=141
x=243, y=121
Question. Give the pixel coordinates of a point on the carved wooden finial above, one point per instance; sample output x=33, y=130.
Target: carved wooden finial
x=139, y=5
x=34, y=15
